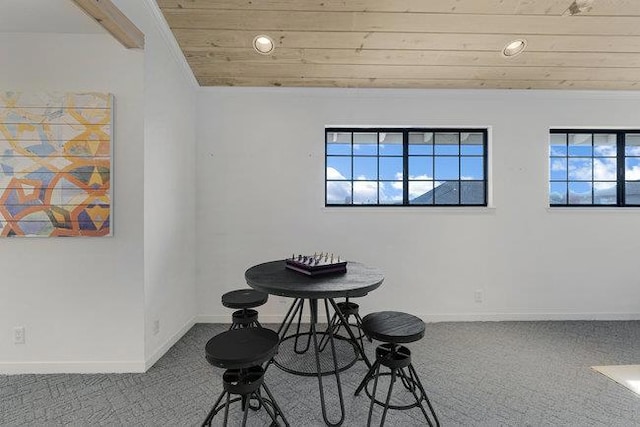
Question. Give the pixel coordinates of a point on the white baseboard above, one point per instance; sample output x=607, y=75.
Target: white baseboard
x=458, y=317
x=94, y=367
x=71, y=367
x=151, y=360
x=505, y=317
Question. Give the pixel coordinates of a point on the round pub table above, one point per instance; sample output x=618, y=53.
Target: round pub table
x=274, y=279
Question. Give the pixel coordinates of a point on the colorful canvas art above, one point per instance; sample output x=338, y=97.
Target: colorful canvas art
x=55, y=164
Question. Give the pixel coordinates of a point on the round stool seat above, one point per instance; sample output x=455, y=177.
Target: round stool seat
x=348, y=308
x=244, y=298
x=242, y=348
x=393, y=327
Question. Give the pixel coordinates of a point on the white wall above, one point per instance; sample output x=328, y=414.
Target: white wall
x=80, y=299
x=169, y=177
x=89, y=305
x=261, y=189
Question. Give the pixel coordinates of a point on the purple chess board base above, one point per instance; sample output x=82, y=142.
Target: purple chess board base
x=316, y=270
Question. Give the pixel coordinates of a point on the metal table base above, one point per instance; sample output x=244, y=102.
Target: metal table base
x=306, y=341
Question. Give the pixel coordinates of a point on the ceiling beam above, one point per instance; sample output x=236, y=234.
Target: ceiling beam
x=114, y=21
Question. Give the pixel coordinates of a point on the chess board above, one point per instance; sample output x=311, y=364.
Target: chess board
x=316, y=264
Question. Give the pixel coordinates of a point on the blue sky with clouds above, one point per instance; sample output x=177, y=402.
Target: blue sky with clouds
x=433, y=159
x=582, y=165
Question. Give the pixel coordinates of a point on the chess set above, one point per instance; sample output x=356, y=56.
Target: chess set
x=316, y=264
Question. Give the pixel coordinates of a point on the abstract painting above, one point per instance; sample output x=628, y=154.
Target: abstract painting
x=55, y=164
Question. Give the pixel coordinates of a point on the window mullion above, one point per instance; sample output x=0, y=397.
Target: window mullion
x=377, y=166
x=405, y=167
x=593, y=170
x=620, y=142
x=459, y=168
x=485, y=150
x=352, y=189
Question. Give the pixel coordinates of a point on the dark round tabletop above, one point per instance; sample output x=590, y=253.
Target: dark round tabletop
x=273, y=278
x=244, y=298
x=242, y=348
x=393, y=326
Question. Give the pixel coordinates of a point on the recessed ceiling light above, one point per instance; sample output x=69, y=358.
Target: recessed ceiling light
x=263, y=44
x=514, y=48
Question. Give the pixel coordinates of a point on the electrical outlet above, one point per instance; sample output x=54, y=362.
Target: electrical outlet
x=477, y=295
x=18, y=335
x=156, y=327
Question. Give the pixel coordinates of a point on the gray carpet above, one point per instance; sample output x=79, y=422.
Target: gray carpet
x=476, y=374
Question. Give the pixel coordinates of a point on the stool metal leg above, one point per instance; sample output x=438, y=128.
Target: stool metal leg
x=360, y=334
x=375, y=389
x=207, y=421
x=359, y=348
x=359, y=323
x=334, y=324
x=424, y=393
x=245, y=406
x=275, y=405
x=397, y=359
x=367, y=377
x=273, y=415
x=407, y=380
x=226, y=410
x=386, y=404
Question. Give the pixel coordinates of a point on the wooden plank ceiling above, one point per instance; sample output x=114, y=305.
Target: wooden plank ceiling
x=571, y=44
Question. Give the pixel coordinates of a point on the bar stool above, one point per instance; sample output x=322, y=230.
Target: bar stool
x=348, y=309
x=243, y=300
x=242, y=352
x=394, y=328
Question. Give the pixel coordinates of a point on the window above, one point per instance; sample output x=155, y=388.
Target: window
x=409, y=167
x=594, y=168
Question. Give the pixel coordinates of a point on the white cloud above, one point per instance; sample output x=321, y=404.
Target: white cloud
x=365, y=192
x=333, y=173
x=397, y=185
x=418, y=188
x=604, y=185
x=632, y=150
x=558, y=165
x=605, y=150
x=580, y=169
x=556, y=152
x=387, y=194
x=420, y=177
x=633, y=174
x=337, y=192
x=604, y=169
